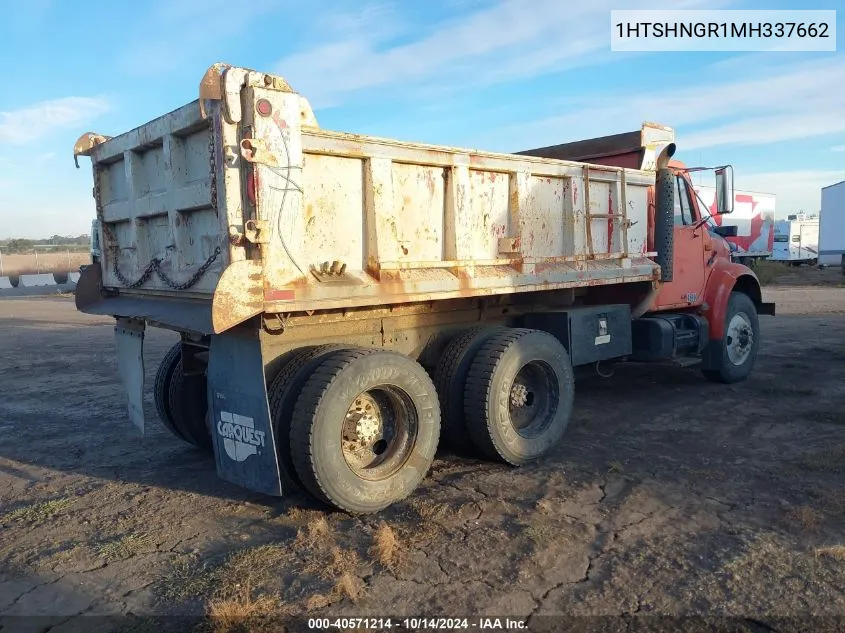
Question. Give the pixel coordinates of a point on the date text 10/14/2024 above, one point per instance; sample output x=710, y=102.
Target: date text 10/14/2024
x=415, y=624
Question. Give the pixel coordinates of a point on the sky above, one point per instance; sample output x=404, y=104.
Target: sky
x=498, y=75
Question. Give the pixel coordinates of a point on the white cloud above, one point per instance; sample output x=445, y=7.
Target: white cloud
x=753, y=107
x=39, y=120
x=501, y=41
x=838, y=148
x=176, y=33
x=795, y=190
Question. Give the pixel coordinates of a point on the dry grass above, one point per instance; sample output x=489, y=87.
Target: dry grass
x=429, y=510
x=316, y=533
x=17, y=264
x=541, y=534
x=240, y=611
x=347, y=586
x=242, y=591
x=343, y=561
x=829, y=460
x=836, y=552
x=37, y=513
x=767, y=271
x=804, y=517
x=190, y=578
x=387, y=549
x=330, y=562
x=123, y=547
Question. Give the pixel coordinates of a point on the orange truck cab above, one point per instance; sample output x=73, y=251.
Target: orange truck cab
x=705, y=305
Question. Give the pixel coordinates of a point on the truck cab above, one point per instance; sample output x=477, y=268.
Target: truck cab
x=699, y=291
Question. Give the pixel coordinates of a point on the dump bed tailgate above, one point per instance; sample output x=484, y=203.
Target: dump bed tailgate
x=155, y=190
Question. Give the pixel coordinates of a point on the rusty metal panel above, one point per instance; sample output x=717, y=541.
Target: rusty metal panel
x=274, y=149
x=334, y=212
x=542, y=220
x=489, y=217
x=413, y=230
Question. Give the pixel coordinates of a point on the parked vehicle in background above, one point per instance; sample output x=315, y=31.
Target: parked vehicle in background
x=96, y=251
x=797, y=240
x=832, y=226
x=318, y=279
x=754, y=219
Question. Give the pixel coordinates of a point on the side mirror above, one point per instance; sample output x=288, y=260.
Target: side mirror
x=725, y=231
x=725, y=190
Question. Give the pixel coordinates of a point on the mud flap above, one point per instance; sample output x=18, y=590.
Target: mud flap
x=244, y=444
x=129, y=338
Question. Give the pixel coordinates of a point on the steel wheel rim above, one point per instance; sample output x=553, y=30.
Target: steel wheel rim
x=378, y=432
x=533, y=399
x=739, y=338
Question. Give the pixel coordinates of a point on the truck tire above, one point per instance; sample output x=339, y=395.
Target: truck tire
x=161, y=388
x=737, y=351
x=519, y=395
x=365, y=429
x=189, y=407
x=283, y=392
x=450, y=379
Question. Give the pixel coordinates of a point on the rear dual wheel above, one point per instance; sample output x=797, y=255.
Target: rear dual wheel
x=365, y=429
x=519, y=395
x=181, y=402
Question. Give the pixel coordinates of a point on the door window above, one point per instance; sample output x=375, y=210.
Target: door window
x=683, y=210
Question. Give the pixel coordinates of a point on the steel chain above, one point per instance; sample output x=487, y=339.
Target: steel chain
x=155, y=266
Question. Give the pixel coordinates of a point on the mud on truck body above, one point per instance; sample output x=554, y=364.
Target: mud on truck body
x=343, y=301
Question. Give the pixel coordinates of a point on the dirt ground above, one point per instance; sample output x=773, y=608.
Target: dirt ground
x=670, y=496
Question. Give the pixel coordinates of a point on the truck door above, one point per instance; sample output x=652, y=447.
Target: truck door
x=690, y=253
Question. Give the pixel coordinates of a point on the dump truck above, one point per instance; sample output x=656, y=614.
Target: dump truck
x=345, y=301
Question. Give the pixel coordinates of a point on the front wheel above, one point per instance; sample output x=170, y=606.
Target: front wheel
x=736, y=352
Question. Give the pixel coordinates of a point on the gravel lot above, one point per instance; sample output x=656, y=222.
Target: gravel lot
x=670, y=495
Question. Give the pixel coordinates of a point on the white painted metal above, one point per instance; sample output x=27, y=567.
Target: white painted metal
x=796, y=240
x=832, y=225
x=739, y=338
x=404, y=221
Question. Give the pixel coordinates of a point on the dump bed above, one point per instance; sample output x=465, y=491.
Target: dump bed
x=238, y=200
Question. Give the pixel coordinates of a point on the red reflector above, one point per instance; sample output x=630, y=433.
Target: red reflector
x=263, y=107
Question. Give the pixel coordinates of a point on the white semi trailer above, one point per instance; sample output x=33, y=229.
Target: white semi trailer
x=832, y=226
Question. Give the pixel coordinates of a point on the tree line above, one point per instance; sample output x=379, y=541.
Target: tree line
x=56, y=242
